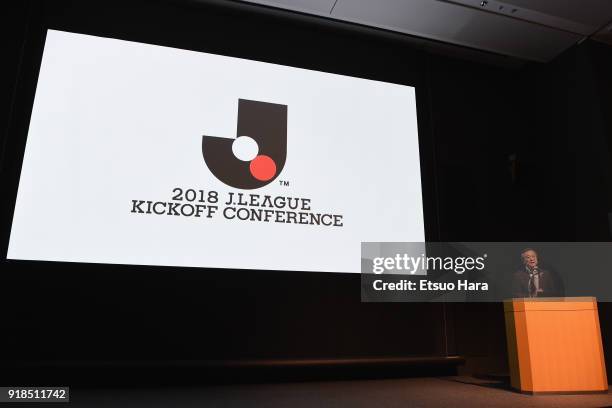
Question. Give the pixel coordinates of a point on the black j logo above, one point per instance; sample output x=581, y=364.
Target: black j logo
x=258, y=154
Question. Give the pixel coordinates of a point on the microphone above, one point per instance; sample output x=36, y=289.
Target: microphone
x=533, y=289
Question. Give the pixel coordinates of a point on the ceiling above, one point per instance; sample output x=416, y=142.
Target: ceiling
x=536, y=30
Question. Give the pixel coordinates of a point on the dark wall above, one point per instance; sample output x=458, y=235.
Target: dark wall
x=559, y=130
x=111, y=313
x=573, y=161
x=520, y=153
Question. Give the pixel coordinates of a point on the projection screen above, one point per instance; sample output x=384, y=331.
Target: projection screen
x=147, y=155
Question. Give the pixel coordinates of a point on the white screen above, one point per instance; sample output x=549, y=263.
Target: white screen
x=115, y=121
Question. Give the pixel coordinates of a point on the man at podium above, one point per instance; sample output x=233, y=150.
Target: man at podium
x=531, y=281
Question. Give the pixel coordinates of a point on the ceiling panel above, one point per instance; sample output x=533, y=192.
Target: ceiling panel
x=306, y=6
x=458, y=24
x=536, y=30
x=530, y=15
x=594, y=13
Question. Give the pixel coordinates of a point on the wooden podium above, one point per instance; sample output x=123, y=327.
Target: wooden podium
x=554, y=345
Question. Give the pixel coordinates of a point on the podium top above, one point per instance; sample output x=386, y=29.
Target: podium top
x=551, y=303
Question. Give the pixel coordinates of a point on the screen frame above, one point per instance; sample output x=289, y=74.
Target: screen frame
x=42, y=17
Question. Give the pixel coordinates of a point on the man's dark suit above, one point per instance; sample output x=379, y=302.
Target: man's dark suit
x=549, y=283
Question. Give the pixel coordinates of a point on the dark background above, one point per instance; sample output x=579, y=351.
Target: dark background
x=477, y=115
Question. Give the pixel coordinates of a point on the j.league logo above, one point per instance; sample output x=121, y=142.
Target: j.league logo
x=258, y=153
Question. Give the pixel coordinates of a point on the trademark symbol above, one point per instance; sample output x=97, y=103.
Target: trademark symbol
x=283, y=183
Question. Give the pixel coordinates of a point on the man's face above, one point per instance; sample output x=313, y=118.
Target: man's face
x=530, y=259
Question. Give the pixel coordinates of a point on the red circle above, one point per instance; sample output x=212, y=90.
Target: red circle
x=263, y=167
